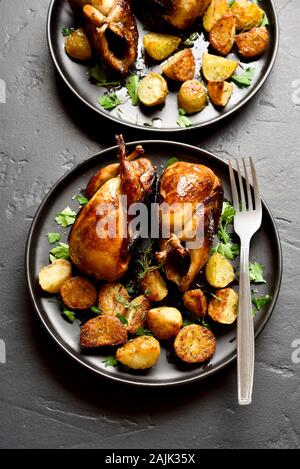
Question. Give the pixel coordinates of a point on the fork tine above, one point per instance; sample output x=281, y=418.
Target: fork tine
x=250, y=205
x=255, y=186
x=243, y=202
x=235, y=198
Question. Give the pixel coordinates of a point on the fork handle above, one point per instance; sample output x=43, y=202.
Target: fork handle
x=245, y=332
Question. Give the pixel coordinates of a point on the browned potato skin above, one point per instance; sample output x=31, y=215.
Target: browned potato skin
x=109, y=299
x=253, y=43
x=154, y=286
x=139, y=353
x=195, y=301
x=248, y=15
x=164, y=322
x=181, y=66
x=219, y=92
x=136, y=313
x=77, y=45
x=218, y=305
x=195, y=344
x=192, y=96
x=78, y=293
x=222, y=34
x=102, y=331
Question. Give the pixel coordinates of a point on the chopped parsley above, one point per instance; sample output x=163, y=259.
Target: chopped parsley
x=61, y=251
x=70, y=315
x=259, y=302
x=132, y=88
x=101, y=77
x=67, y=31
x=244, y=79
x=183, y=120
x=110, y=361
x=81, y=199
x=53, y=237
x=225, y=245
x=96, y=310
x=256, y=272
x=66, y=217
x=171, y=161
x=109, y=101
x=143, y=331
x=122, y=318
x=189, y=42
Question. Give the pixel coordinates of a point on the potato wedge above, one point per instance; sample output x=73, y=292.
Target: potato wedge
x=53, y=276
x=78, y=46
x=216, y=9
x=181, y=66
x=113, y=299
x=219, y=271
x=160, y=46
x=153, y=286
x=223, y=308
x=140, y=353
x=195, y=301
x=136, y=313
x=222, y=34
x=252, y=43
x=153, y=90
x=164, y=322
x=217, y=68
x=219, y=92
x=192, y=96
x=78, y=293
x=102, y=331
x=195, y=344
x=248, y=14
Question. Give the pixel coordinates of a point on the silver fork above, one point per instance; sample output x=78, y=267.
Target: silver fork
x=247, y=221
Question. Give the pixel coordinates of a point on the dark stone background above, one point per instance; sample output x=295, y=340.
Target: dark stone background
x=46, y=400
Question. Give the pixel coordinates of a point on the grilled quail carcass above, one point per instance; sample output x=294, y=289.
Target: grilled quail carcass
x=94, y=248
x=188, y=183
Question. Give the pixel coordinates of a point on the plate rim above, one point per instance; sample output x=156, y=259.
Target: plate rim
x=202, y=125
x=69, y=352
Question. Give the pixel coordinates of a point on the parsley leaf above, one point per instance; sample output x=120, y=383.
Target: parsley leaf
x=110, y=361
x=256, y=273
x=70, y=315
x=230, y=3
x=229, y=250
x=122, y=300
x=53, y=237
x=132, y=88
x=96, y=309
x=171, y=161
x=67, y=31
x=109, y=101
x=142, y=331
x=52, y=258
x=61, y=251
x=66, y=217
x=183, y=120
x=189, y=42
x=122, y=318
x=187, y=322
x=259, y=302
x=80, y=199
x=228, y=212
x=265, y=21
x=100, y=75
x=244, y=79
x=225, y=246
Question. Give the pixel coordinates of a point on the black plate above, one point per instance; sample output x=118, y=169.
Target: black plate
x=75, y=75
x=265, y=248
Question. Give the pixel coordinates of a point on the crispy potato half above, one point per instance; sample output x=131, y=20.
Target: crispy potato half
x=216, y=9
x=192, y=96
x=180, y=67
x=53, y=276
x=164, y=322
x=217, y=68
x=136, y=313
x=222, y=34
x=253, y=43
x=195, y=301
x=153, y=286
x=219, y=271
x=153, y=90
x=140, y=353
x=102, y=331
x=78, y=46
x=195, y=344
x=248, y=14
x=113, y=299
x=219, y=92
x=223, y=308
x=160, y=46
x=78, y=293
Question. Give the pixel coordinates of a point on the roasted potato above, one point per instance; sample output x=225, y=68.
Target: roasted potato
x=102, y=331
x=223, y=308
x=195, y=344
x=219, y=271
x=219, y=92
x=216, y=9
x=195, y=301
x=222, y=34
x=216, y=68
x=78, y=293
x=252, y=43
x=53, y=276
x=136, y=313
x=180, y=67
x=153, y=286
x=153, y=90
x=139, y=353
x=192, y=96
x=113, y=299
x=164, y=322
x=248, y=14
x=160, y=46
x=78, y=46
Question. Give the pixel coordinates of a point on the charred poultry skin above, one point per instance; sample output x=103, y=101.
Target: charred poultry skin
x=112, y=30
x=182, y=13
x=192, y=183
x=106, y=257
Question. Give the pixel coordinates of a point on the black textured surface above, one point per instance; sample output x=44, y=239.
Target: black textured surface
x=45, y=399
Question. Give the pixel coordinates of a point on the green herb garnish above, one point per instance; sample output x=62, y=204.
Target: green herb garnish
x=189, y=42
x=109, y=101
x=244, y=79
x=171, y=161
x=265, y=21
x=225, y=246
x=143, y=331
x=230, y=3
x=66, y=217
x=53, y=237
x=110, y=361
x=122, y=318
x=81, y=200
x=61, y=251
x=256, y=273
x=70, y=315
x=260, y=301
x=187, y=322
x=132, y=88
x=96, y=309
x=122, y=300
x=100, y=75
x=183, y=120
x=67, y=31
